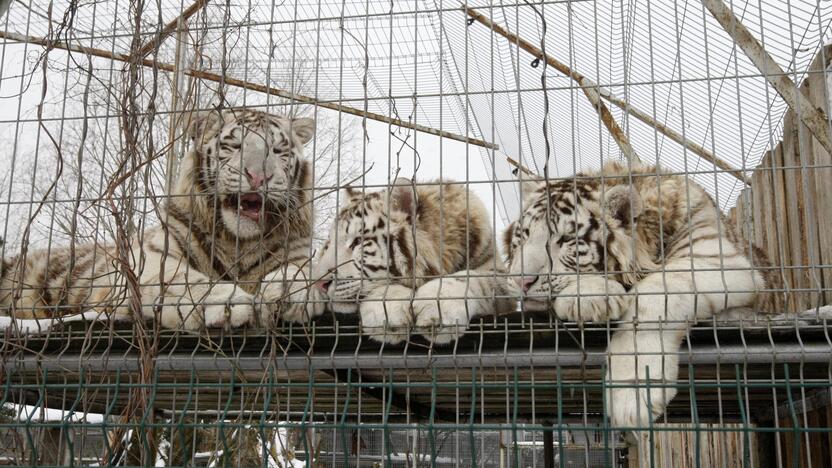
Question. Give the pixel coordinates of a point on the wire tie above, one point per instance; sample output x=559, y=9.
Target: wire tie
x=470, y=21
x=535, y=63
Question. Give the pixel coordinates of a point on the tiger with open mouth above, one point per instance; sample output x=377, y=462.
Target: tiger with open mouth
x=237, y=223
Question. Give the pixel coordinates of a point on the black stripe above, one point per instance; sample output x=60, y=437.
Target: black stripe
x=405, y=249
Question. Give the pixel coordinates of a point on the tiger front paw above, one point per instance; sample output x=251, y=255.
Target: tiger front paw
x=386, y=314
x=593, y=300
x=221, y=305
x=287, y=295
x=441, y=310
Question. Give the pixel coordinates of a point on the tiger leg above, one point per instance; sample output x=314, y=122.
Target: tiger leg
x=591, y=298
x=444, y=306
x=287, y=294
x=386, y=313
x=657, y=320
x=190, y=299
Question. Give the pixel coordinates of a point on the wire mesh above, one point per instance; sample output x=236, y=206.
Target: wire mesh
x=426, y=233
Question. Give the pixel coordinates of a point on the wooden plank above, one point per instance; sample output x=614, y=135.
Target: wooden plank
x=794, y=223
x=778, y=224
x=806, y=159
x=760, y=205
x=822, y=172
x=677, y=449
x=768, y=211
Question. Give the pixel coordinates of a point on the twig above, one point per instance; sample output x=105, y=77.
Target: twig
x=593, y=90
x=247, y=85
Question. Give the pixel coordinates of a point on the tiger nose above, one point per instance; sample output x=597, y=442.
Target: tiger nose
x=323, y=285
x=255, y=180
x=525, y=282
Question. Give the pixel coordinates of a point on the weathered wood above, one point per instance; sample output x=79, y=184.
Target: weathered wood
x=54, y=448
x=821, y=172
x=791, y=202
x=680, y=449
x=792, y=220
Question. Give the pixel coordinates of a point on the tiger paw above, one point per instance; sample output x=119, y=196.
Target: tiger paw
x=287, y=295
x=596, y=300
x=224, y=304
x=630, y=401
x=441, y=311
x=386, y=314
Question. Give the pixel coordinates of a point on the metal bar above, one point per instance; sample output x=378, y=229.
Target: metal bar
x=817, y=399
x=549, y=448
x=245, y=85
x=814, y=118
x=704, y=355
x=589, y=88
x=609, y=96
x=169, y=28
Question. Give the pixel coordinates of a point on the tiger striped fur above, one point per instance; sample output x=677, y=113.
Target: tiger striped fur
x=417, y=257
x=239, y=212
x=641, y=246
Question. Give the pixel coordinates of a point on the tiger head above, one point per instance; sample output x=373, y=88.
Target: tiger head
x=370, y=245
x=248, y=167
x=569, y=228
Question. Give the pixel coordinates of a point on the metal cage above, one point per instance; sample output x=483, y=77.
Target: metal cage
x=732, y=96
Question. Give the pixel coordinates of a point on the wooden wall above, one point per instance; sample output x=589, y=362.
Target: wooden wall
x=787, y=211
x=722, y=448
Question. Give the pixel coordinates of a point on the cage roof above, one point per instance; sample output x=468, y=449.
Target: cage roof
x=424, y=62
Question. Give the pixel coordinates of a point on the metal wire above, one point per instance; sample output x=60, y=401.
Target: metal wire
x=98, y=99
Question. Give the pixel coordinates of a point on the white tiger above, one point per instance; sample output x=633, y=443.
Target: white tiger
x=239, y=212
x=642, y=246
x=412, y=258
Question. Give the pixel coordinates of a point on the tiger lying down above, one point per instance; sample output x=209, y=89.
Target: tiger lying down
x=643, y=247
x=415, y=258
x=239, y=214
x=647, y=249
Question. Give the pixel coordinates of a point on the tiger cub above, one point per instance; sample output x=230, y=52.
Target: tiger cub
x=239, y=212
x=642, y=246
x=418, y=257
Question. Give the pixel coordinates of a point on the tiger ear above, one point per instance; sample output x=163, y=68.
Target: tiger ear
x=623, y=204
x=528, y=183
x=508, y=235
x=303, y=128
x=403, y=196
x=200, y=123
x=351, y=193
